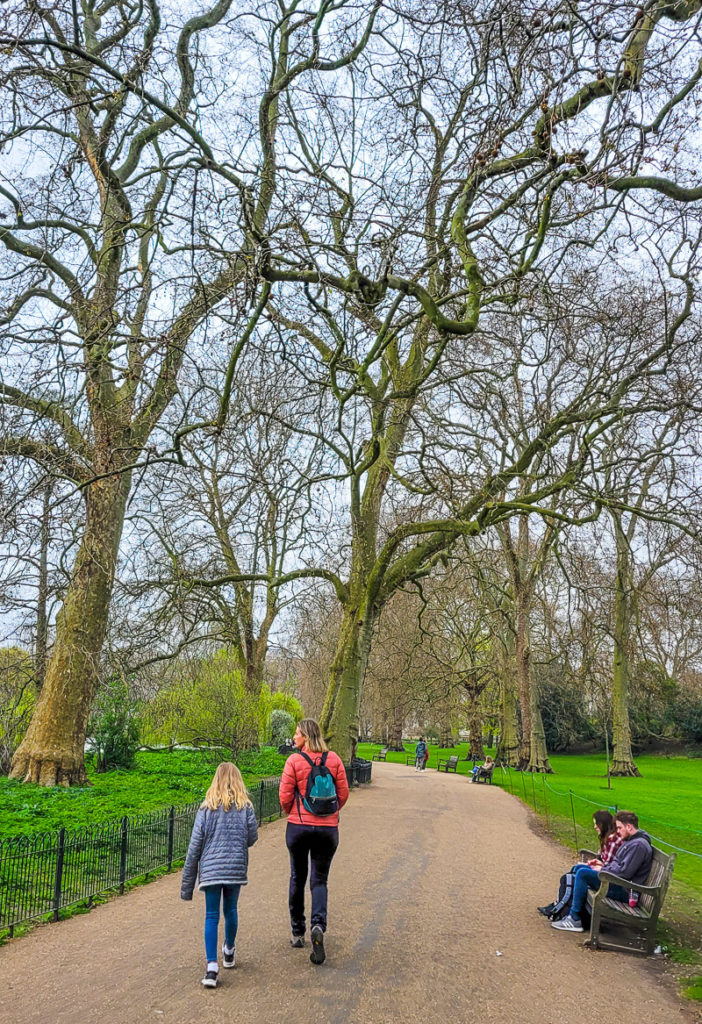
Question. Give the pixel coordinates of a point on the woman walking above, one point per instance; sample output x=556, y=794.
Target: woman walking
x=312, y=791
x=225, y=827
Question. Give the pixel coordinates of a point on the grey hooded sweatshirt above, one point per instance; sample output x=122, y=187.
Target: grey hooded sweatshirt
x=219, y=847
x=633, y=858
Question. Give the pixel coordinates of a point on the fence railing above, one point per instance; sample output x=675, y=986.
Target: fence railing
x=42, y=874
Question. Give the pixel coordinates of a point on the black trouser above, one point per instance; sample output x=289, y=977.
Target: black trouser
x=315, y=843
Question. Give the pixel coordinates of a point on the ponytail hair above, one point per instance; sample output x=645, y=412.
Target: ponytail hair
x=313, y=735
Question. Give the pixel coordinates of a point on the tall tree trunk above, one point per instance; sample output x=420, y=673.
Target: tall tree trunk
x=521, y=658
x=475, y=726
x=445, y=736
x=52, y=752
x=538, y=761
x=40, y=646
x=397, y=724
x=508, y=745
x=340, y=714
x=622, y=757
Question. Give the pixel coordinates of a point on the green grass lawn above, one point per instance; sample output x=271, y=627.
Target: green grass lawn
x=158, y=780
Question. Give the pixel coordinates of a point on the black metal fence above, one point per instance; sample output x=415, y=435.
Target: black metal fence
x=43, y=873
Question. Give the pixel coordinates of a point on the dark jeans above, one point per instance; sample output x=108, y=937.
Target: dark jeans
x=587, y=878
x=315, y=844
x=230, y=898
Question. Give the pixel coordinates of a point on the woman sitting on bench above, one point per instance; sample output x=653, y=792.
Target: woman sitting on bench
x=485, y=768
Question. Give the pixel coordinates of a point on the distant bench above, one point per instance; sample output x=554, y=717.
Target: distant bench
x=448, y=764
x=641, y=918
x=380, y=755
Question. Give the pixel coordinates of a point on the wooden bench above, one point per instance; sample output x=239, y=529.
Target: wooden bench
x=643, y=918
x=448, y=764
x=380, y=755
x=484, y=774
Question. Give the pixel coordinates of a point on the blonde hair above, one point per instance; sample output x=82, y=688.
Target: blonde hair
x=227, y=788
x=313, y=735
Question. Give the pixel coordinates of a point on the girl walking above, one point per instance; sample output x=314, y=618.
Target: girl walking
x=311, y=838
x=225, y=827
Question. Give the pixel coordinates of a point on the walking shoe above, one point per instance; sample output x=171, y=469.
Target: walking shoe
x=547, y=911
x=210, y=979
x=297, y=941
x=568, y=924
x=228, y=959
x=317, y=956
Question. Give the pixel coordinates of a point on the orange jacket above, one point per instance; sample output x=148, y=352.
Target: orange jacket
x=294, y=783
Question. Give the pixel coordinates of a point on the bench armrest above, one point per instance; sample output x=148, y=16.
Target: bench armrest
x=644, y=890
x=588, y=855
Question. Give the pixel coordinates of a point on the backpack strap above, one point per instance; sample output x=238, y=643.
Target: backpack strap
x=310, y=762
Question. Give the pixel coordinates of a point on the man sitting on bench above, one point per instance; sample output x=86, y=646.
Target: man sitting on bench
x=632, y=861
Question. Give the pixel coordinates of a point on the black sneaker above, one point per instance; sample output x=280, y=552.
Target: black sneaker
x=317, y=956
x=210, y=979
x=228, y=959
x=297, y=941
x=547, y=911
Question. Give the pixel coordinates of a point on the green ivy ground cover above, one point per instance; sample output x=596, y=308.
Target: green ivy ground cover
x=158, y=780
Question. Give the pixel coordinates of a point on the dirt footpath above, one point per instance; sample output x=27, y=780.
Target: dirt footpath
x=433, y=878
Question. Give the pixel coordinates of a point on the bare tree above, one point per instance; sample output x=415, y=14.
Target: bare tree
x=127, y=234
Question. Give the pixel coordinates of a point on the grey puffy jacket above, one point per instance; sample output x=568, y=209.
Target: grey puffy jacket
x=219, y=846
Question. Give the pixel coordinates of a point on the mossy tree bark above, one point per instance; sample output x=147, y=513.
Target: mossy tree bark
x=525, y=567
x=508, y=742
x=475, y=728
x=51, y=752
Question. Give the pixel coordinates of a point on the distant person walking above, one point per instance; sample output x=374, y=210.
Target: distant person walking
x=313, y=789
x=421, y=754
x=225, y=827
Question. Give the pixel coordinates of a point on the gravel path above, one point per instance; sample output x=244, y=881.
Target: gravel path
x=433, y=877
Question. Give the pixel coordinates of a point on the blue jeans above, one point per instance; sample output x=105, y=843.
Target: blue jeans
x=587, y=878
x=230, y=897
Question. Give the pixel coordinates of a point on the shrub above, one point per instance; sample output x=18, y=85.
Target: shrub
x=564, y=715
x=16, y=701
x=113, y=730
x=213, y=708
x=687, y=717
x=282, y=726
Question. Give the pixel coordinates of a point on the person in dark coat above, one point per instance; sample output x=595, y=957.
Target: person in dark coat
x=421, y=754
x=225, y=827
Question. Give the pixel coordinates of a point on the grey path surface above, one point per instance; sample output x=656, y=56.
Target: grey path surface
x=420, y=903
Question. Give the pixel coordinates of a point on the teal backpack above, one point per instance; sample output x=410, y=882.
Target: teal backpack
x=320, y=797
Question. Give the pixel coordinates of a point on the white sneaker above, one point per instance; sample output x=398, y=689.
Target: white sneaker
x=568, y=924
x=210, y=979
x=228, y=959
